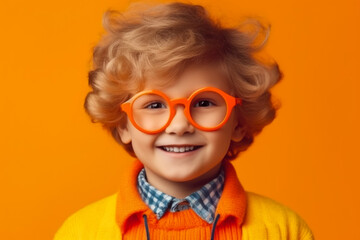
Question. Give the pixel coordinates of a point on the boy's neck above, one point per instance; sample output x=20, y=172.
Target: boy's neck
x=181, y=190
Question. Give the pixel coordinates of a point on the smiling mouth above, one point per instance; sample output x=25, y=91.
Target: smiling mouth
x=179, y=149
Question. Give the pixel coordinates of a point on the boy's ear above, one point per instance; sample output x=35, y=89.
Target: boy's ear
x=238, y=133
x=124, y=134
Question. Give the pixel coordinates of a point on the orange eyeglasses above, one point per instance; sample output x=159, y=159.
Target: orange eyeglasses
x=207, y=109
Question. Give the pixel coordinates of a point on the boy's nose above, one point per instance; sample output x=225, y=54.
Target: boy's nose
x=179, y=125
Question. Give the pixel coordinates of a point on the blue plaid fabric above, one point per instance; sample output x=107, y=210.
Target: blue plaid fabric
x=203, y=201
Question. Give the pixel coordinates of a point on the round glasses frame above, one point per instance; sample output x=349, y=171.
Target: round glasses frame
x=230, y=103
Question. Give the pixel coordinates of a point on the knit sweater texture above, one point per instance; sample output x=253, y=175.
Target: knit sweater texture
x=242, y=215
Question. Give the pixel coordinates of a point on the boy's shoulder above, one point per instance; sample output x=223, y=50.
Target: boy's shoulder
x=94, y=221
x=266, y=217
x=258, y=204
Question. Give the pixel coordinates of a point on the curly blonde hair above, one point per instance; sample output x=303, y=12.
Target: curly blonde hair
x=167, y=38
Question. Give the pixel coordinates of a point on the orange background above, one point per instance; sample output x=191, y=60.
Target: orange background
x=54, y=161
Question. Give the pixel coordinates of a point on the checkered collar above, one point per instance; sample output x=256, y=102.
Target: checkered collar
x=203, y=201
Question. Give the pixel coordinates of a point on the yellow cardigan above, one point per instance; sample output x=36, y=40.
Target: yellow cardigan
x=264, y=219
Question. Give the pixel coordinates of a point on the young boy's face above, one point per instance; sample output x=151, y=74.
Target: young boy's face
x=199, y=164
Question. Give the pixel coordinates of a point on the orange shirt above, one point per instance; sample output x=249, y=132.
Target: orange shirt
x=180, y=225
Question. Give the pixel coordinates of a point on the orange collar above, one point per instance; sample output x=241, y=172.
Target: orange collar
x=129, y=204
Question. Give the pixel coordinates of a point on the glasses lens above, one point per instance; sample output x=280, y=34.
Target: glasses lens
x=208, y=109
x=150, y=112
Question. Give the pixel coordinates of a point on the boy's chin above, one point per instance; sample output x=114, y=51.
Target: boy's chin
x=181, y=178
x=187, y=176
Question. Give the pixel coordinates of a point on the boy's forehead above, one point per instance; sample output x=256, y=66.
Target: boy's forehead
x=206, y=73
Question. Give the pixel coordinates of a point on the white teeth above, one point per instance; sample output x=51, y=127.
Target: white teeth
x=189, y=148
x=179, y=149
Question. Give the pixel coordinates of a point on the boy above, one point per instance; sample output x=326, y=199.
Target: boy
x=184, y=96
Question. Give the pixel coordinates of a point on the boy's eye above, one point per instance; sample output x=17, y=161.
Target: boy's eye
x=155, y=105
x=204, y=103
